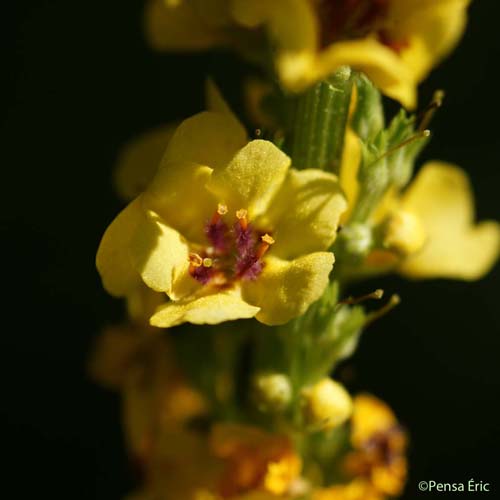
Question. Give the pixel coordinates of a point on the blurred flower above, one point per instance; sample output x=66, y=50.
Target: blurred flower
x=204, y=230
x=379, y=446
x=155, y=395
x=254, y=460
x=395, y=42
x=429, y=229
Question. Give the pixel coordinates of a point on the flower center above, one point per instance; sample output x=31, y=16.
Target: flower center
x=235, y=249
x=352, y=19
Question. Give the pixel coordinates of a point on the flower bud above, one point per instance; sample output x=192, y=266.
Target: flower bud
x=326, y=405
x=404, y=233
x=272, y=391
x=358, y=238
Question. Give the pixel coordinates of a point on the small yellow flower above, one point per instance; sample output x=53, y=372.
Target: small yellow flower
x=254, y=460
x=395, y=42
x=429, y=228
x=379, y=447
x=326, y=404
x=226, y=229
x=441, y=197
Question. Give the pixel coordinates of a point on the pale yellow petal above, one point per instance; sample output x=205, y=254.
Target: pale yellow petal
x=381, y=64
x=370, y=417
x=432, y=28
x=252, y=177
x=159, y=253
x=178, y=193
x=442, y=198
x=179, y=26
x=113, y=262
x=208, y=138
x=304, y=215
x=208, y=309
x=285, y=289
x=139, y=161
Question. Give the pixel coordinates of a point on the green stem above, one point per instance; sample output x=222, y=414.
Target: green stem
x=318, y=120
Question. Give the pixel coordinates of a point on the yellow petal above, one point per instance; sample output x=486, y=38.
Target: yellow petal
x=178, y=193
x=441, y=197
x=304, y=215
x=113, y=259
x=252, y=177
x=348, y=177
x=285, y=289
x=370, y=417
x=208, y=309
x=139, y=161
x=381, y=64
x=159, y=253
x=179, y=26
x=208, y=138
x=432, y=28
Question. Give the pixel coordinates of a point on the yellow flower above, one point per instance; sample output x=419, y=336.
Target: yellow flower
x=326, y=404
x=226, y=229
x=455, y=247
x=254, y=460
x=395, y=42
x=429, y=229
x=379, y=447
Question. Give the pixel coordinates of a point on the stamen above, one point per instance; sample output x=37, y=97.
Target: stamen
x=267, y=241
x=207, y=262
x=241, y=215
x=428, y=113
x=393, y=302
x=376, y=294
x=423, y=134
x=221, y=210
x=195, y=260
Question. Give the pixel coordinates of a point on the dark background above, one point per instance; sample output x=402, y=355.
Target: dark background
x=80, y=83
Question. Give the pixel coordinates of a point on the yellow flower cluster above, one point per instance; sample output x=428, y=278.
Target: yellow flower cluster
x=220, y=228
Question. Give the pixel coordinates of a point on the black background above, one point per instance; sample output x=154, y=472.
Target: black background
x=80, y=83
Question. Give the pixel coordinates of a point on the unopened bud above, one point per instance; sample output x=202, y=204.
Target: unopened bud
x=326, y=405
x=404, y=233
x=272, y=392
x=358, y=238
